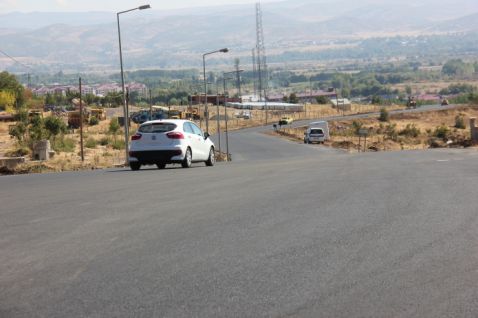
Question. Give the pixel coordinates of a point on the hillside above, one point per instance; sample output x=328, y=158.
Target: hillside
x=86, y=41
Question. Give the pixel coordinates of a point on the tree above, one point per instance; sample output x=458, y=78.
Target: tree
x=322, y=100
x=457, y=67
x=36, y=129
x=8, y=82
x=54, y=126
x=49, y=100
x=7, y=100
x=90, y=99
x=113, y=99
x=293, y=99
x=19, y=131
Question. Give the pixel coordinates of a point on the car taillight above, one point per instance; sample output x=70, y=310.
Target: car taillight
x=136, y=136
x=175, y=135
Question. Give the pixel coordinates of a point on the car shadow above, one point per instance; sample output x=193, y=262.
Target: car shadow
x=150, y=168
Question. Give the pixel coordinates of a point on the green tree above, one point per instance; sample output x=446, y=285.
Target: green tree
x=49, y=100
x=54, y=126
x=457, y=67
x=173, y=101
x=322, y=100
x=90, y=99
x=36, y=129
x=113, y=99
x=293, y=99
x=19, y=130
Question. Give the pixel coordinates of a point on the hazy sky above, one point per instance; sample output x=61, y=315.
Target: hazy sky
x=105, y=5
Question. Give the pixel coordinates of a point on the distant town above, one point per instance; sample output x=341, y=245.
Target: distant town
x=99, y=90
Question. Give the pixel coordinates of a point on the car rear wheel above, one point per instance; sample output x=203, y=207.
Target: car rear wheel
x=161, y=165
x=188, y=158
x=212, y=158
x=134, y=166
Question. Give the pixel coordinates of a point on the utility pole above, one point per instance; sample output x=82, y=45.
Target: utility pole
x=226, y=119
x=206, y=113
x=261, y=59
x=218, y=116
x=238, y=77
x=81, y=126
x=150, y=105
x=254, y=71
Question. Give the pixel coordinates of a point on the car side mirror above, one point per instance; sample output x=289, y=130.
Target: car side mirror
x=206, y=135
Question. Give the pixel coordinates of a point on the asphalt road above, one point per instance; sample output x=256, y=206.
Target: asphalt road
x=286, y=230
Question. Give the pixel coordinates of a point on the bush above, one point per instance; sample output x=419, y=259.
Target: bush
x=410, y=131
x=460, y=122
x=91, y=143
x=441, y=132
x=93, y=121
x=105, y=141
x=384, y=115
x=20, y=151
x=322, y=100
x=54, y=126
x=376, y=100
x=356, y=126
x=391, y=132
x=118, y=145
x=64, y=145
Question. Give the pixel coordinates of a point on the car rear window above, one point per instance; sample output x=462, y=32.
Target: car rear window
x=157, y=128
x=316, y=131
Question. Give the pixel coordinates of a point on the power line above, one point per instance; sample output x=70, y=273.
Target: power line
x=16, y=61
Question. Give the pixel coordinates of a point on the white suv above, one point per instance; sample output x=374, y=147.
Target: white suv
x=314, y=134
x=161, y=142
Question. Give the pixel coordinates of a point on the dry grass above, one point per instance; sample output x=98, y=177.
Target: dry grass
x=381, y=138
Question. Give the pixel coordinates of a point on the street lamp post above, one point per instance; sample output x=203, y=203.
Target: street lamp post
x=225, y=116
x=125, y=109
x=206, y=113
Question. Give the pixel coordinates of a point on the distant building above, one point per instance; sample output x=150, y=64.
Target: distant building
x=268, y=106
x=98, y=90
x=307, y=97
x=213, y=99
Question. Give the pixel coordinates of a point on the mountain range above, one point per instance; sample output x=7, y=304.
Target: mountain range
x=88, y=41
